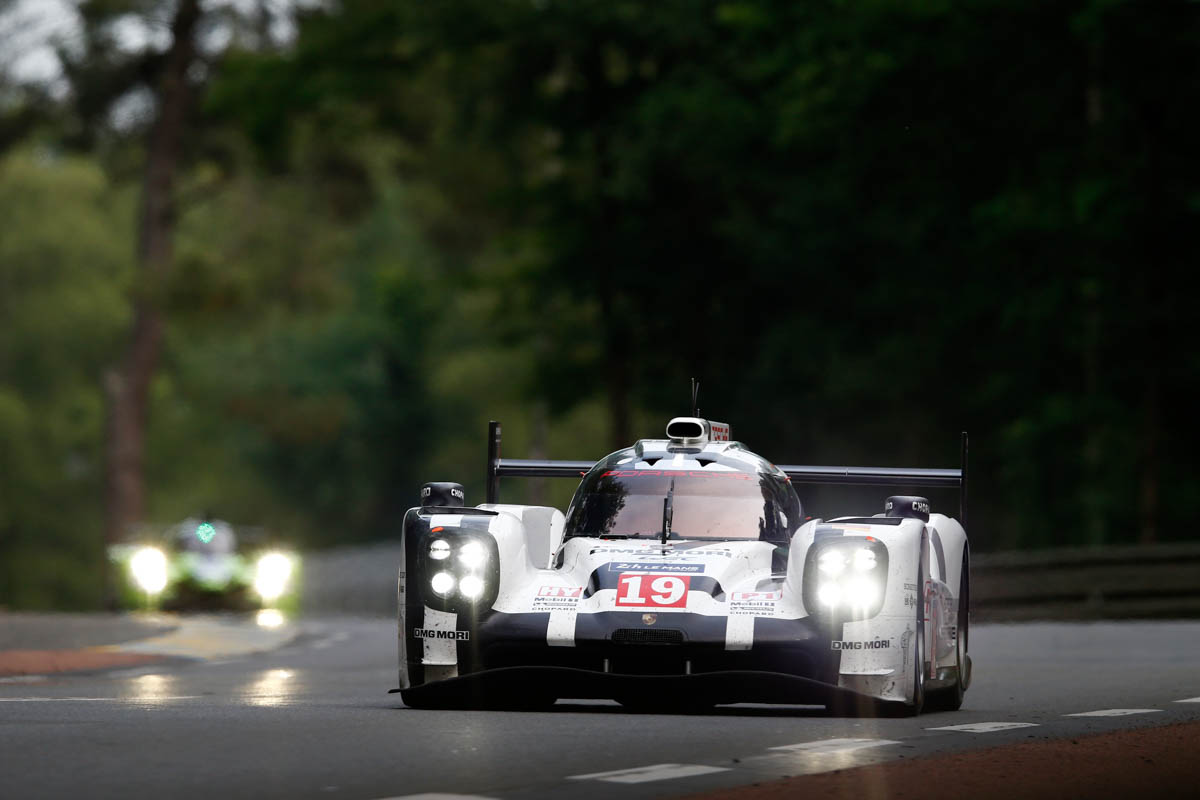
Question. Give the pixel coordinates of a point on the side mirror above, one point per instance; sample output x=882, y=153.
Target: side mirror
x=443, y=494
x=909, y=506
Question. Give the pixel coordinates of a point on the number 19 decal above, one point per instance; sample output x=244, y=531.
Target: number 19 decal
x=661, y=591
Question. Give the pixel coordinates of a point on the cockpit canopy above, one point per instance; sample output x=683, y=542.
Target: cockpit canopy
x=719, y=491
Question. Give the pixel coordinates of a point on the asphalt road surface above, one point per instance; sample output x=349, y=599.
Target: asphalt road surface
x=313, y=719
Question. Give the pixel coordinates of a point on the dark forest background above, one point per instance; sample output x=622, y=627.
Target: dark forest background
x=282, y=264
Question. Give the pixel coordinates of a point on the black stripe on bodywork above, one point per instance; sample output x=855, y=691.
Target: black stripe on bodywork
x=416, y=536
x=938, y=552
x=798, y=647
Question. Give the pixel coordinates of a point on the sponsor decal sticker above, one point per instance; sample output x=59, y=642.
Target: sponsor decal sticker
x=919, y=506
x=638, y=590
x=430, y=633
x=753, y=604
x=874, y=644
x=555, y=598
x=561, y=591
x=457, y=494
x=636, y=551
x=659, y=567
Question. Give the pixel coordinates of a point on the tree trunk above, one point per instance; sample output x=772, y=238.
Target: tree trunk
x=127, y=385
x=617, y=381
x=1148, y=501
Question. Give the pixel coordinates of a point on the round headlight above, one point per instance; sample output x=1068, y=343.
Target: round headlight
x=473, y=555
x=864, y=560
x=830, y=594
x=471, y=587
x=271, y=575
x=439, y=549
x=149, y=568
x=832, y=562
x=862, y=593
x=442, y=583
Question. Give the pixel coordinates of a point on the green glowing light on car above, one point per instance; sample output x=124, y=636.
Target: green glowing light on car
x=205, y=532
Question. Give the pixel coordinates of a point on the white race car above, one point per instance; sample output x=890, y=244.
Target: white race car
x=684, y=574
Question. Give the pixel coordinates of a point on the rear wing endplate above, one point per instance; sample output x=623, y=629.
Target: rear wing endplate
x=498, y=468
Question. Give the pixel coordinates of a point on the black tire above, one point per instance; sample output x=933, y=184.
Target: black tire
x=919, y=668
x=951, y=698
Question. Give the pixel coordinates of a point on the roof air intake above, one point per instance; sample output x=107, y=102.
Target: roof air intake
x=693, y=430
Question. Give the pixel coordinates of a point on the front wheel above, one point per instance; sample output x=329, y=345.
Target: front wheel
x=951, y=698
x=917, y=704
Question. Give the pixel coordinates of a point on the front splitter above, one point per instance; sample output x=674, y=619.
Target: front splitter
x=709, y=688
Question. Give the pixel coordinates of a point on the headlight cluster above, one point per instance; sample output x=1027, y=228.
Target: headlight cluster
x=459, y=566
x=846, y=577
x=271, y=576
x=149, y=569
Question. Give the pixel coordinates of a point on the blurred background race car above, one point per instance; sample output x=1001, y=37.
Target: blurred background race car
x=202, y=564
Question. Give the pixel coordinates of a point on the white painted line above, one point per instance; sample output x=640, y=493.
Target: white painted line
x=1114, y=712
x=40, y=678
x=438, y=796
x=834, y=745
x=1189, y=700
x=654, y=772
x=136, y=672
x=98, y=699
x=985, y=727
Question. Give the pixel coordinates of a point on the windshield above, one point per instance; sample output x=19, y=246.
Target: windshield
x=706, y=504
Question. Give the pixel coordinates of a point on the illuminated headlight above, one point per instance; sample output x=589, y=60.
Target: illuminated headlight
x=473, y=555
x=861, y=593
x=471, y=587
x=149, y=568
x=864, y=560
x=830, y=594
x=439, y=549
x=846, y=578
x=442, y=583
x=832, y=562
x=271, y=575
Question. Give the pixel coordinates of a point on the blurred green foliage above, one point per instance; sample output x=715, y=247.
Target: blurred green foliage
x=864, y=226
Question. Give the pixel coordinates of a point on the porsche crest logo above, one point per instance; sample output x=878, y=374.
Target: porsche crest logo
x=649, y=619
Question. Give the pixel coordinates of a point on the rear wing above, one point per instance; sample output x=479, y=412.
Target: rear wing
x=498, y=468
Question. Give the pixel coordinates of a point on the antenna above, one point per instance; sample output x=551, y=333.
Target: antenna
x=695, y=394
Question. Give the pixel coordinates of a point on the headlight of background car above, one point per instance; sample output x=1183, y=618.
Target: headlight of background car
x=846, y=577
x=272, y=575
x=460, y=569
x=149, y=569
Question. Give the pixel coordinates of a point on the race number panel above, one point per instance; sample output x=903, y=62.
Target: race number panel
x=641, y=590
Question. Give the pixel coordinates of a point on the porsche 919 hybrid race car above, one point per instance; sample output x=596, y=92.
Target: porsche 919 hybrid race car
x=684, y=574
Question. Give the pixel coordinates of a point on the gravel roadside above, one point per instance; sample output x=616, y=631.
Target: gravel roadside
x=39, y=644
x=1137, y=764
x=45, y=631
